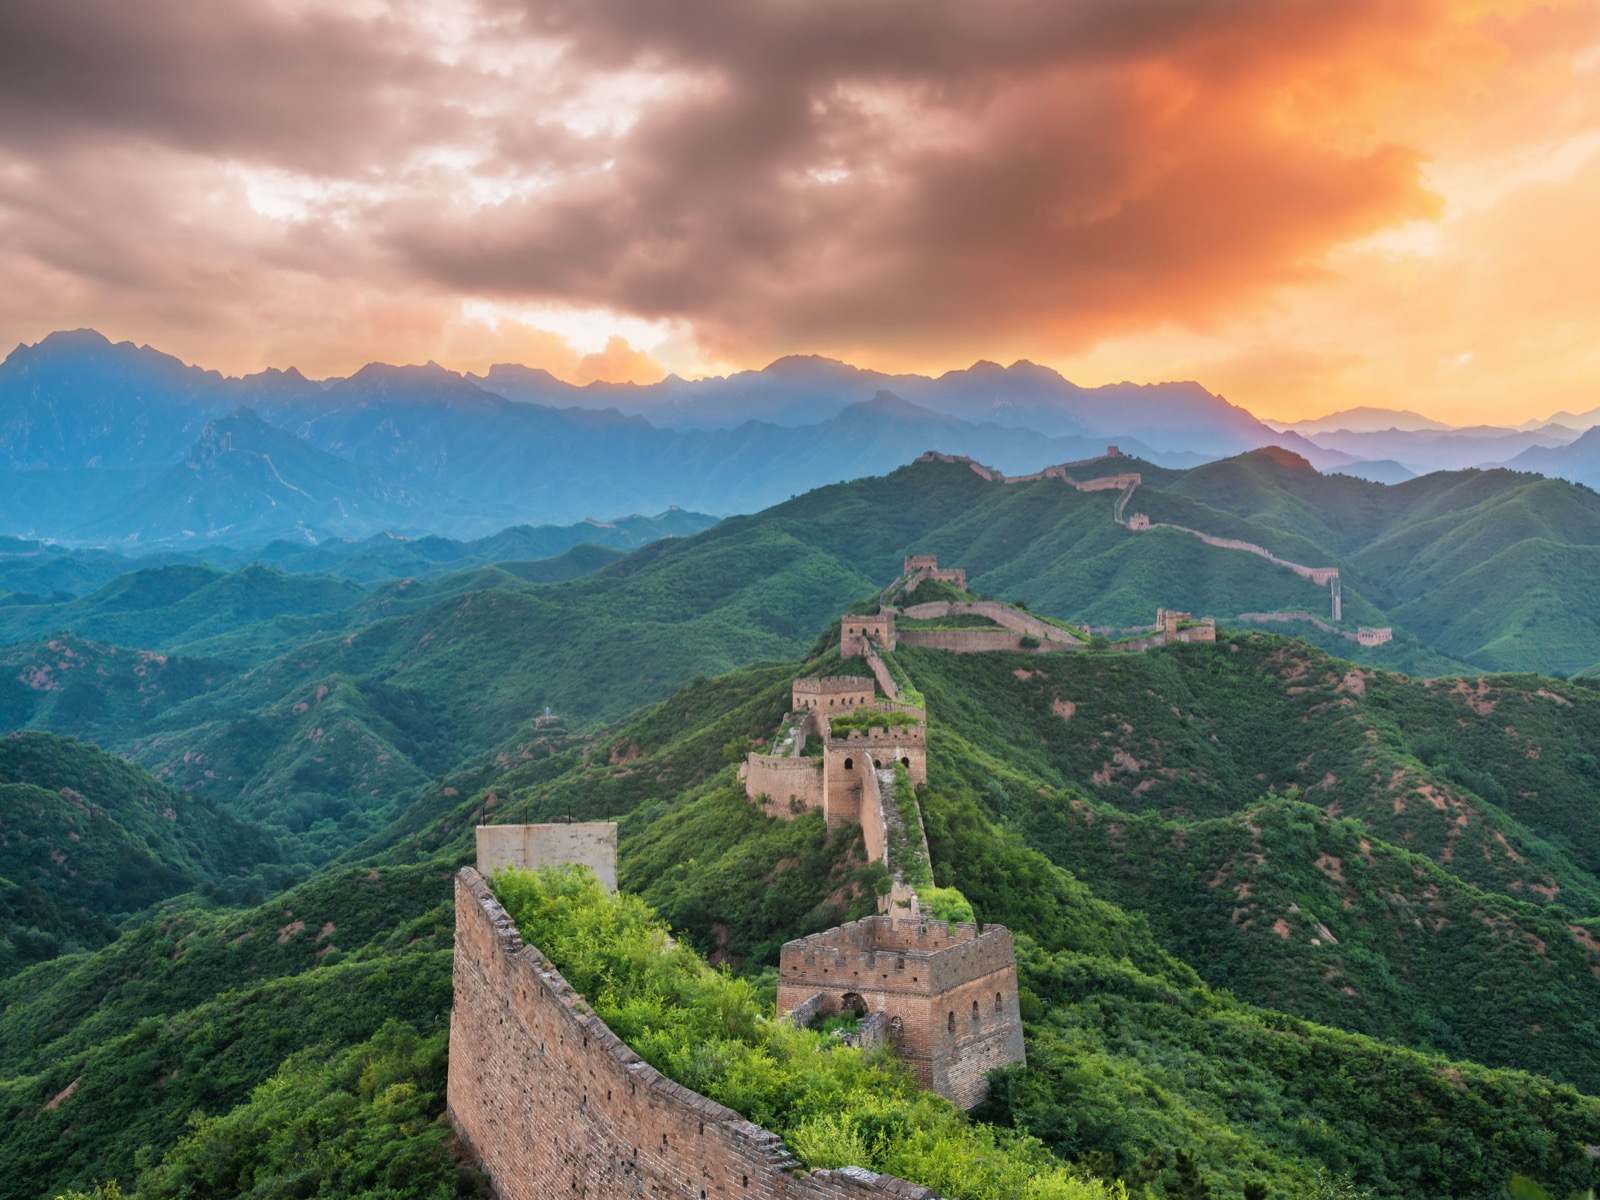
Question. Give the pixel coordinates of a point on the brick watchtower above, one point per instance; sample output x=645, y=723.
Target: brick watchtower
x=949, y=993
x=854, y=632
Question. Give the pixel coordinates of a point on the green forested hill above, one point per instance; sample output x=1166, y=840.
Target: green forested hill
x=86, y=840
x=1402, y=861
x=423, y=674
x=1124, y=900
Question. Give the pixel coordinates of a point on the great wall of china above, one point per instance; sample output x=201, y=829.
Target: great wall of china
x=548, y=1100
x=1128, y=483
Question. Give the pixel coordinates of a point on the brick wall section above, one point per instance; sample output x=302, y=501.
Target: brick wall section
x=780, y=778
x=966, y=641
x=551, y=1103
x=1000, y=614
x=880, y=672
x=874, y=825
x=592, y=843
x=927, y=977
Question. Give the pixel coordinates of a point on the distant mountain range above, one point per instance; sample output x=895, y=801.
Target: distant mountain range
x=114, y=444
x=120, y=445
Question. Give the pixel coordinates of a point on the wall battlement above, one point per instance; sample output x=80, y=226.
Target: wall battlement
x=550, y=1102
x=896, y=735
x=592, y=843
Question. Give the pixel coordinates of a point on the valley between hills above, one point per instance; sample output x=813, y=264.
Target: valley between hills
x=1295, y=916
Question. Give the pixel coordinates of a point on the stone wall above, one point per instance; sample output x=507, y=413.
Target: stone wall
x=782, y=779
x=591, y=843
x=949, y=992
x=963, y=641
x=551, y=1103
x=1001, y=614
x=880, y=672
x=874, y=824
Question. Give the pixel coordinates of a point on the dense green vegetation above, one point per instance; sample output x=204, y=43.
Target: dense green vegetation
x=428, y=673
x=870, y=718
x=835, y=1106
x=103, y=1054
x=1266, y=808
x=86, y=840
x=1202, y=849
x=363, y=1123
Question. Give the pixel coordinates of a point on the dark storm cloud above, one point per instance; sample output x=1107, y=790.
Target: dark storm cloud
x=904, y=169
x=313, y=89
x=778, y=174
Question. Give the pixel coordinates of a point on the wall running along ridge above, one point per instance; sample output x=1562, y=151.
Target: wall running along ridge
x=1000, y=614
x=551, y=1103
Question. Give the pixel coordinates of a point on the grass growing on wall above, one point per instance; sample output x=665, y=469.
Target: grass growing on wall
x=834, y=1106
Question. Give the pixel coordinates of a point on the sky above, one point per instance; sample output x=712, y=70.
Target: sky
x=1303, y=205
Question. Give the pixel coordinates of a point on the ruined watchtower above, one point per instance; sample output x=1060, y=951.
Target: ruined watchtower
x=948, y=992
x=927, y=566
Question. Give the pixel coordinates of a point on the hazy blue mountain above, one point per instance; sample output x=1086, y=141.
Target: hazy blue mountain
x=1578, y=461
x=244, y=480
x=1362, y=419
x=1382, y=470
x=164, y=454
x=1175, y=418
x=76, y=400
x=1430, y=450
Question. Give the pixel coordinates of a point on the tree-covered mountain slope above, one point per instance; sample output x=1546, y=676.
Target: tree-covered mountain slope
x=1133, y=1058
x=173, y=607
x=1485, y=975
x=436, y=670
x=86, y=840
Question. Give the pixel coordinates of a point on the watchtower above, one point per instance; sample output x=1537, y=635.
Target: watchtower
x=856, y=631
x=832, y=693
x=949, y=993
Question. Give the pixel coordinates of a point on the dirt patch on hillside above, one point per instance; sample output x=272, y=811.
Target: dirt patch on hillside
x=1354, y=682
x=1477, y=697
x=64, y=1094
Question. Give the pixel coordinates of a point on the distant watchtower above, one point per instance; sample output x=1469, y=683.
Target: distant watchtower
x=926, y=566
x=949, y=993
x=856, y=631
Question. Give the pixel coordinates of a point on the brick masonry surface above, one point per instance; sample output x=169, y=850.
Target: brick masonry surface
x=949, y=991
x=592, y=843
x=551, y=1103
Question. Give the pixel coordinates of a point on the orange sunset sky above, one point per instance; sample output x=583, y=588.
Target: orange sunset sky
x=1303, y=204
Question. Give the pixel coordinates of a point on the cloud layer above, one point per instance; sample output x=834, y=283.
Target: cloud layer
x=909, y=183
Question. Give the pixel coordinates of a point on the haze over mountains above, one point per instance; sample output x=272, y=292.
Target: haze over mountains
x=113, y=444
